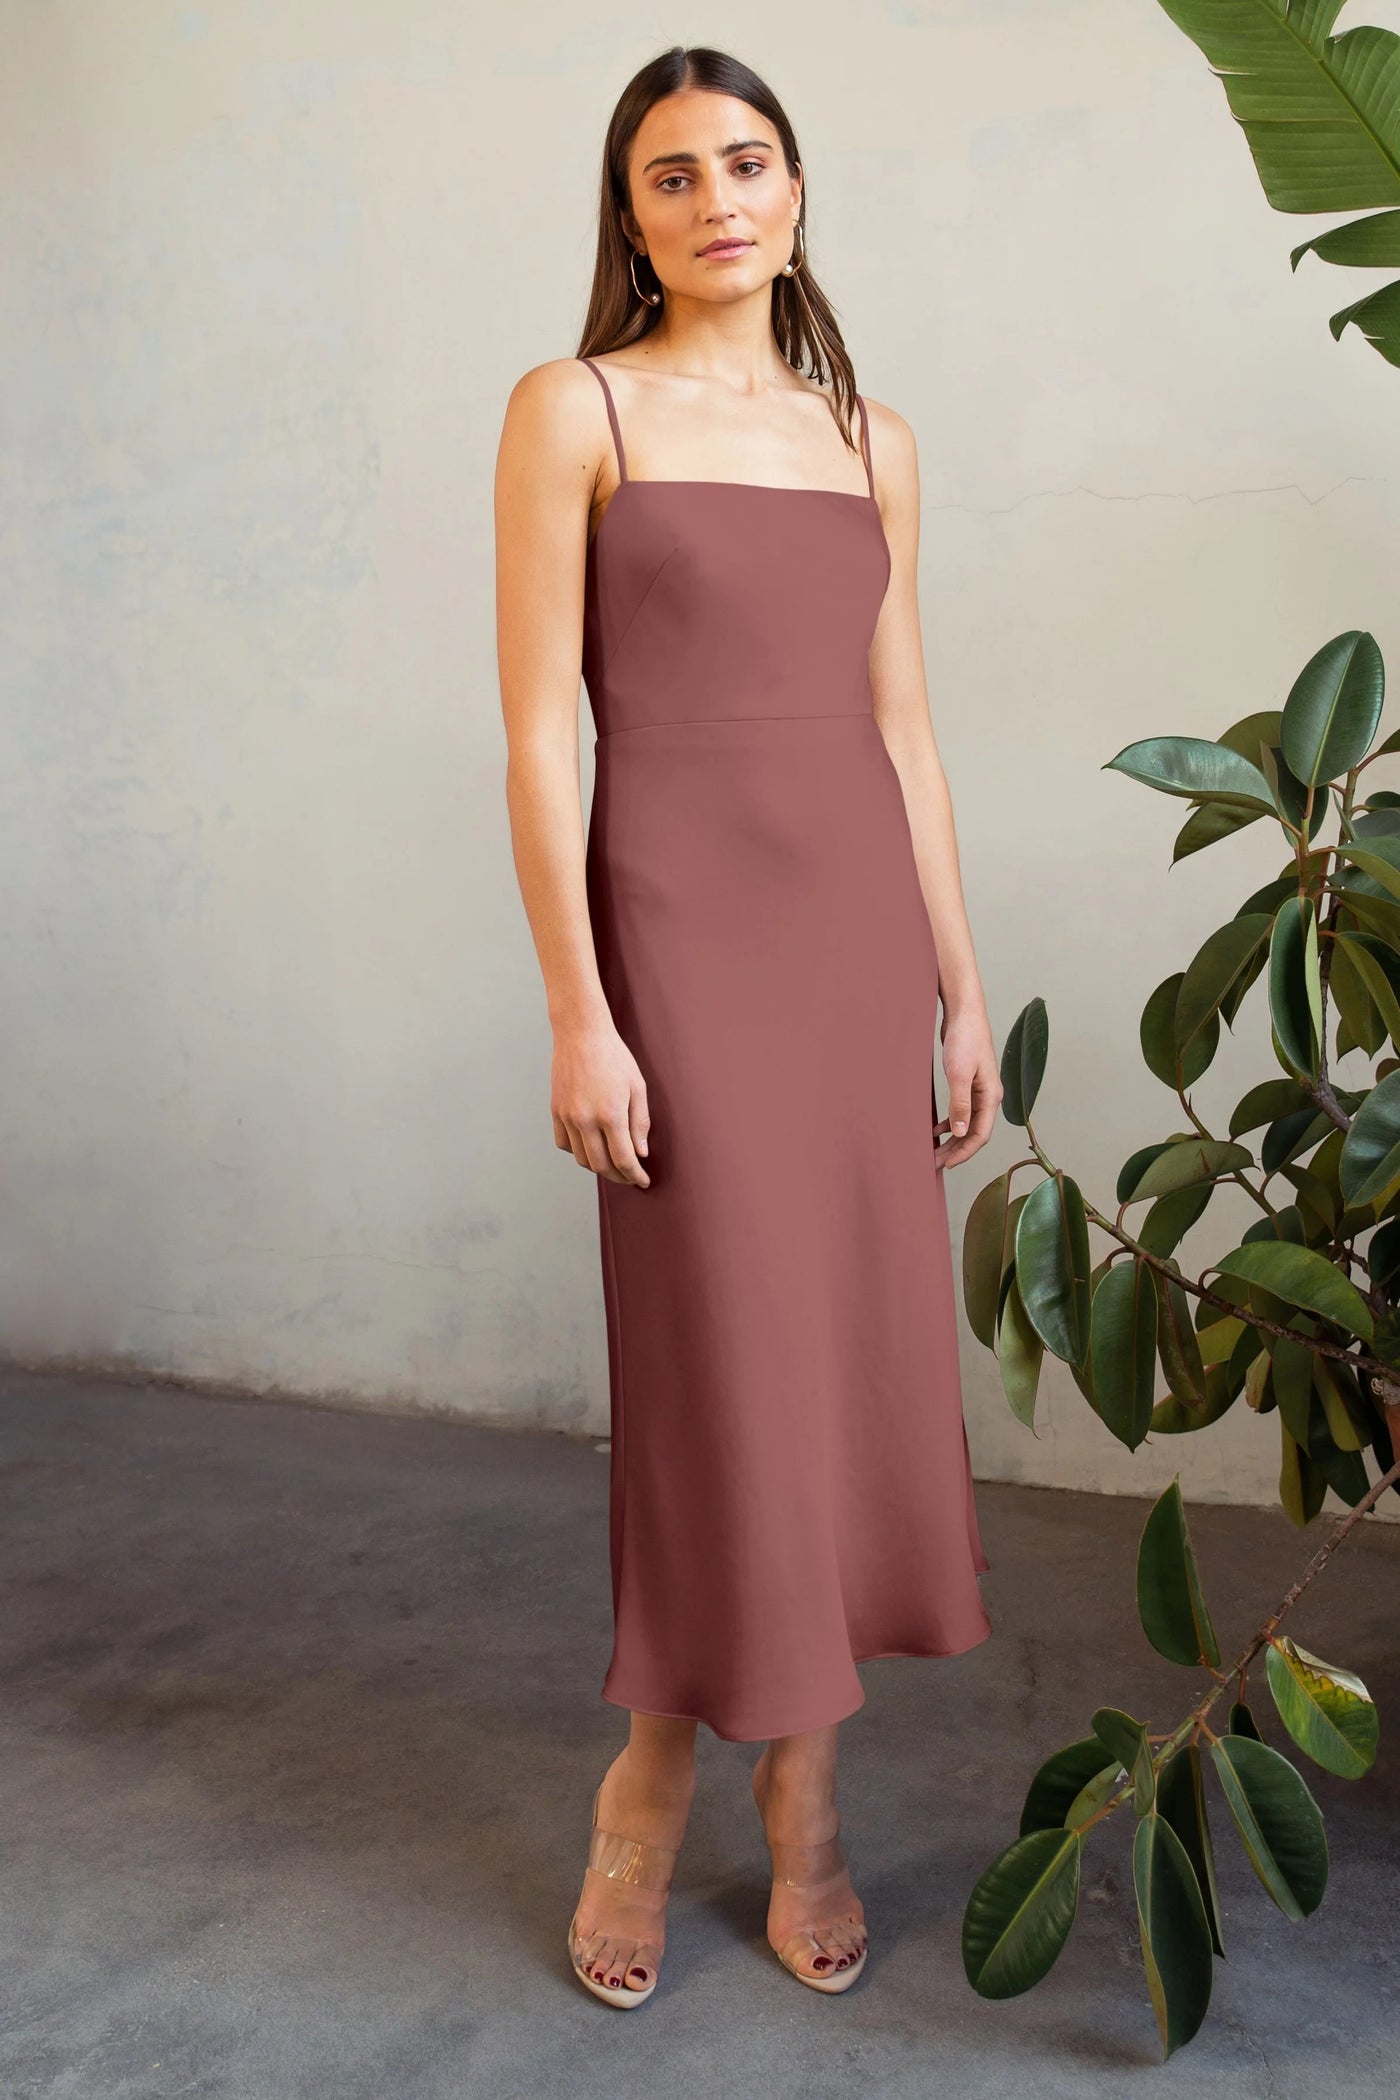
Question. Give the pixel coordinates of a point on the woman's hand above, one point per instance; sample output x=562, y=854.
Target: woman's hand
x=973, y=1073
x=598, y=1099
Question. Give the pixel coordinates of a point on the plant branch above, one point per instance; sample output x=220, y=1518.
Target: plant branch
x=1316, y=1343
x=1196, y=1718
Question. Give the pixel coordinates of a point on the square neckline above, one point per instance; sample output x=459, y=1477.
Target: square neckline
x=773, y=488
x=768, y=488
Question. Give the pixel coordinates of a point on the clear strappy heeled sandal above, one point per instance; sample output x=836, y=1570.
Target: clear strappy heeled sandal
x=644, y=1866
x=836, y=1935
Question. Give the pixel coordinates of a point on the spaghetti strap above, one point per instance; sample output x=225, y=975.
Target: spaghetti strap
x=865, y=441
x=612, y=416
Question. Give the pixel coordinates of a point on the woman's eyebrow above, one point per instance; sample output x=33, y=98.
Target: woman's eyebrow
x=735, y=146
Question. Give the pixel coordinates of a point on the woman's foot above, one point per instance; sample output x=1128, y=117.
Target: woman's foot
x=619, y=1928
x=816, y=1922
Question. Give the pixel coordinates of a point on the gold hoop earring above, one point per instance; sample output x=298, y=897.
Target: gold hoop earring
x=793, y=265
x=650, y=298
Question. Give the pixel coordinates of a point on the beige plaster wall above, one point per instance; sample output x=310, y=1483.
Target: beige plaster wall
x=275, y=1080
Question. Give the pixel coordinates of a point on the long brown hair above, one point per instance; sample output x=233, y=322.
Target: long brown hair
x=803, y=321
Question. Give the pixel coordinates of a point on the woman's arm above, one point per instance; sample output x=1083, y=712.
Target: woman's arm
x=553, y=445
x=901, y=708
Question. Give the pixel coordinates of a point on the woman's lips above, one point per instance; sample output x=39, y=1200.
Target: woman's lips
x=718, y=248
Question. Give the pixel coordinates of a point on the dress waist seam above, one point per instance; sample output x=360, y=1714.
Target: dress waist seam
x=840, y=714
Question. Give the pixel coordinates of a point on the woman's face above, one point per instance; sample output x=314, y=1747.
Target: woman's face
x=708, y=169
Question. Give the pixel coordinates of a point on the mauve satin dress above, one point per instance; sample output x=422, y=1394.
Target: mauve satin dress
x=790, y=1488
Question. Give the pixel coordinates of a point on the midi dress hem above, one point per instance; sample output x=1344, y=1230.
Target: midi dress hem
x=804, y=1725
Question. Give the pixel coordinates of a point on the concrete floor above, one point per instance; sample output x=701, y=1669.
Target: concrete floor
x=300, y=1723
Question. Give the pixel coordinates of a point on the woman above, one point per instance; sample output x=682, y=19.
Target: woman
x=743, y=962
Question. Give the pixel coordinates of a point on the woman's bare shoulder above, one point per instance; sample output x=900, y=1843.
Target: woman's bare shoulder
x=886, y=422
x=554, y=387
x=894, y=455
x=556, y=417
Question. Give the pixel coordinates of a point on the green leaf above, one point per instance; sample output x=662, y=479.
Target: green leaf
x=1370, y=244
x=1279, y=1823
x=1052, y=1266
x=1178, y=1344
x=1381, y=914
x=1336, y=1388
x=1317, y=111
x=1267, y=1102
x=1370, y=1161
x=1362, y=1025
x=1023, y=1061
x=1302, y=1486
x=1208, y=825
x=1135, y=1166
x=1171, y=1218
x=1175, y=1933
x=1295, y=988
x=1219, y=967
x=1219, y=820
x=1293, y=1385
x=1376, y=314
x=1123, y=1348
x=1181, y=1800
x=1361, y=953
x=1171, y=1603
x=1157, y=1036
x=1328, y=1712
x=1283, y=74
x=988, y=1238
x=1184, y=1162
x=1195, y=768
x=1056, y=1785
x=1377, y=857
x=1019, y=1914
x=1301, y=1276
x=1219, y=1334
x=1343, y=1470
x=1283, y=1143
x=1126, y=1739
x=1171, y=1417
x=1383, y=1257
x=1263, y=726
x=1331, y=716
x=1259, y=1386
x=1094, y=1795
x=1270, y=895
x=1019, y=1355
x=1242, y=1721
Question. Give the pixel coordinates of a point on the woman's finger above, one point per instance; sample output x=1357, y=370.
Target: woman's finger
x=618, y=1137
x=597, y=1155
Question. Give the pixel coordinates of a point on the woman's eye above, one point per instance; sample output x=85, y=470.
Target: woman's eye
x=668, y=183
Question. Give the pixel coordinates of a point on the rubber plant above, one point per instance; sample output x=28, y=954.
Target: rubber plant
x=1298, y=1320
x=1321, y=117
